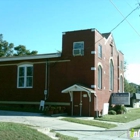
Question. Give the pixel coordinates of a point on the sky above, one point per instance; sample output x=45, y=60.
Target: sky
x=39, y=24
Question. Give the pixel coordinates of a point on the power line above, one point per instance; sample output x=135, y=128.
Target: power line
x=125, y=18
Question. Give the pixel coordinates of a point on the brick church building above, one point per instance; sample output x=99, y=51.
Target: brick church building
x=81, y=77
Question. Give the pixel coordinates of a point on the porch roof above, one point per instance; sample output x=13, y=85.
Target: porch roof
x=77, y=87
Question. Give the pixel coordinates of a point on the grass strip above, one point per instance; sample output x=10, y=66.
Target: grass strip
x=14, y=131
x=131, y=115
x=137, y=127
x=90, y=122
x=64, y=137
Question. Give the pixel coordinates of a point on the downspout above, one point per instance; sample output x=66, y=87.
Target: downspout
x=46, y=72
x=94, y=74
x=96, y=103
x=46, y=90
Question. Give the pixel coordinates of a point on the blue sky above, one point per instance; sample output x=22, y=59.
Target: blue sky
x=38, y=24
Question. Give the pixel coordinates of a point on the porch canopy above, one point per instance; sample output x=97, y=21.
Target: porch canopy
x=77, y=87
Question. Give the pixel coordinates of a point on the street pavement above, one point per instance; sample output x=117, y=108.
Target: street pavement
x=83, y=132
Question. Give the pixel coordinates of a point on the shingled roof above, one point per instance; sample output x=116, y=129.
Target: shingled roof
x=106, y=35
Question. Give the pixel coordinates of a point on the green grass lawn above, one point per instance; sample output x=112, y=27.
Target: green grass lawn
x=137, y=127
x=64, y=137
x=131, y=115
x=90, y=122
x=14, y=131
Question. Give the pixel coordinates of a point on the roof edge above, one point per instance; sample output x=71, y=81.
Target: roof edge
x=38, y=56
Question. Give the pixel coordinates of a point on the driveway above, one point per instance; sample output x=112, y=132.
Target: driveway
x=83, y=132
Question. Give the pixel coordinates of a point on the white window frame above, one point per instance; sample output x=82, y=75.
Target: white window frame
x=100, y=51
x=111, y=50
x=121, y=83
x=111, y=75
x=25, y=76
x=79, y=48
x=99, y=77
x=121, y=65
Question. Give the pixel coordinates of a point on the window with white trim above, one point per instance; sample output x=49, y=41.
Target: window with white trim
x=111, y=50
x=121, y=83
x=121, y=65
x=100, y=51
x=25, y=76
x=78, y=48
x=111, y=75
x=99, y=77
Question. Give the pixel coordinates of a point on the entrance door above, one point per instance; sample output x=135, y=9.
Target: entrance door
x=85, y=104
x=80, y=104
x=76, y=104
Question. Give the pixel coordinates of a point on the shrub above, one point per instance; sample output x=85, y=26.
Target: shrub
x=112, y=112
x=123, y=108
x=120, y=109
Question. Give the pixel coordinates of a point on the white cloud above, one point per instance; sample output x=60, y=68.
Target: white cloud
x=132, y=73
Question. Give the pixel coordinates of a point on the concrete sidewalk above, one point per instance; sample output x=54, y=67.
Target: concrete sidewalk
x=82, y=132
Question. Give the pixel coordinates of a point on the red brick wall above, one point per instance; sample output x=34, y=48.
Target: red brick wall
x=76, y=71
x=104, y=93
x=8, y=86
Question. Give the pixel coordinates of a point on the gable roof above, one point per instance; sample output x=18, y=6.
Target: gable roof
x=76, y=87
x=106, y=35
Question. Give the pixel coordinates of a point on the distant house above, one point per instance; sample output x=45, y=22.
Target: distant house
x=135, y=100
x=81, y=78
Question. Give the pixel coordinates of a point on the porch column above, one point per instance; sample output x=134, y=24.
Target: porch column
x=89, y=95
x=71, y=99
x=80, y=103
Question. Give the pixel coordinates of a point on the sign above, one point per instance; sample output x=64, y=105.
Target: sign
x=105, y=108
x=120, y=98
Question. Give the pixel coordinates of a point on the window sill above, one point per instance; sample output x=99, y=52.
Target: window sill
x=100, y=57
x=24, y=87
x=99, y=88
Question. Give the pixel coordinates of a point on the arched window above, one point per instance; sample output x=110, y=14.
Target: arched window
x=25, y=76
x=100, y=51
x=99, y=77
x=111, y=75
x=121, y=83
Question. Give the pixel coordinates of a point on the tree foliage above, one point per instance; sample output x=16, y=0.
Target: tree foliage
x=130, y=87
x=7, y=49
x=21, y=50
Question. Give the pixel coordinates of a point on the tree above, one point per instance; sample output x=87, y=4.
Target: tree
x=129, y=87
x=8, y=49
x=1, y=36
x=138, y=89
x=21, y=51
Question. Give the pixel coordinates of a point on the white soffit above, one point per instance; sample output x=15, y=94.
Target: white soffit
x=30, y=57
